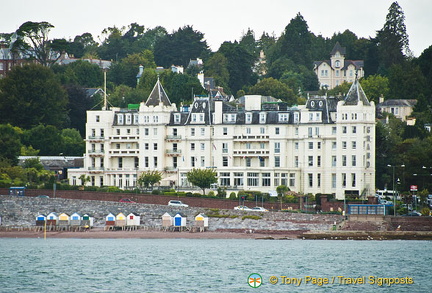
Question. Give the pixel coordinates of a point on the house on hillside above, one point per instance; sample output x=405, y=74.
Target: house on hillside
x=400, y=108
x=337, y=70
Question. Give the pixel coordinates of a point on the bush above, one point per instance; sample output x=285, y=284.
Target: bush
x=425, y=211
x=233, y=196
x=155, y=192
x=251, y=217
x=211, y=193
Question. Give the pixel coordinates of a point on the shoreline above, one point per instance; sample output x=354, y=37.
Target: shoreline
x=100, y=233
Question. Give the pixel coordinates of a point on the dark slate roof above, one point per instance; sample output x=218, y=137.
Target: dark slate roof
x=323, y=104
x=398, y=102
x=158, y=95
x=338, y=47
x=356, y=94
x=93, y=91
x=357, y=63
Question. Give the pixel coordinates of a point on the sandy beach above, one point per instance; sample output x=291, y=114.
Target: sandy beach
x=99, y=233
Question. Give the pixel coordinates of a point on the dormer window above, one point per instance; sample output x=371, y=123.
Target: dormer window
x=262, y=118
x=177, y=118
x=248, y=118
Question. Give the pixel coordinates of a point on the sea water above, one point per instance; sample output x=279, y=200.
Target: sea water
x=213, y=265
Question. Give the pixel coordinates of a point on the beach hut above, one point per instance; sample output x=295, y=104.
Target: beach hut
x=52, y=219
x=75, y=220
x=63, y=220
x=120, y=220
x=179, y=221
x=40, y=220
x=201, y=221
x=110, y=220
x=87, y=220
x=133, y=219
x=167, y=220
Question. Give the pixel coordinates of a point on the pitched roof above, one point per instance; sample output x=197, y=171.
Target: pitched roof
x=158, y=95
x=356, y=94
x=398, y=102
x=338, y=47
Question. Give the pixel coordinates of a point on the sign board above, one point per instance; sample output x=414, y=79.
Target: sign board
x=413, y=187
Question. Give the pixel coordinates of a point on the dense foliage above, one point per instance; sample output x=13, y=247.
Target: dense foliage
x=38, y=102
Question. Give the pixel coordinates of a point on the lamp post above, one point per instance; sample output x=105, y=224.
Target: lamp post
x=394, y=192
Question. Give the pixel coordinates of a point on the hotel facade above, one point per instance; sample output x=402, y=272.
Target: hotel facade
x=326, y=146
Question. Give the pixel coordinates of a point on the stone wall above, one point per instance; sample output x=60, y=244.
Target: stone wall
x=22, y=211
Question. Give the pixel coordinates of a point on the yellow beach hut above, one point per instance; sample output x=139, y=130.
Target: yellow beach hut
x=120, y=220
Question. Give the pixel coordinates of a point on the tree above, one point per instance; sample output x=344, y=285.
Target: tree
x=217, y=67
x=84, y=179
x=392, y=39
x=31, y=95
x=149, y=178
x=274, y=88
x=180, y=47
x=374, y=86
x=83, y=46
x=33, y=41
x=47, y=139
x=73, y=143
x=203, y=178
x=79, y=103
x=406, y=81
x=10, y=144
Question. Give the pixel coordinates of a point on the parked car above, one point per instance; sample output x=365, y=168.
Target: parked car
x=242, y=208
x=413, y=214
x=386, y=202
x=259, y=209
x=177, y=203
x=127, y=200
x=42, y=196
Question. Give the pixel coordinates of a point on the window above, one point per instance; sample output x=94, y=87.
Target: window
x=354, y=160
x=202, y=161
x=354, y=129
x=146, y=162
x=136, y=162
x=177, y=118
x=120, y=163
x=311, y=145
x=261, y=161
x=277, y=161
x=310, y=179
x=262, y=145
x=146, y=146
x=155, y=119
x=248, y=118
x=318, y=161
x=224, y=147
x=266, y=179
x=136, y=119
x=117, y=146
x=319, y=145
x=296, y=161
x=97, y=118
x=128, y=119
x=128, y=131
x=238, y=179
x=252, y=179
x=248, y=145
x=262, y=118
x=284, y=179
x=277, y=147
x=155, y=146
x=296, y=117
x=333, y=161
x=354, y=145
x=292, y=179
x=225, y=161
x=334, y=130
x=318, y=180
x=192, y=131
x=202, y=146
x=248, y=130
x=277, y=130
x=155, y=162
x=344, y=145
x=344, y=160
x=146, y=131
x=155, y=131
x=283, y=117
x=248, y=162
x=344, y=129
x=225, y=131
x=309, y=131
x=333, y=180
x=333, y=145
x=353, y=179
x=310, y=161
x=193, y=159
x=202, y=131
x=296, y=131
x=225, y=178
x=262, y=130
x=120, y=119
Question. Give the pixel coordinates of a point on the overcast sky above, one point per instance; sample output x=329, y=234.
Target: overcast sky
x=219, y=20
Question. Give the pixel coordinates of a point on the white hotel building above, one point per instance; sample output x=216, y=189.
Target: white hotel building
x=326, y=146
